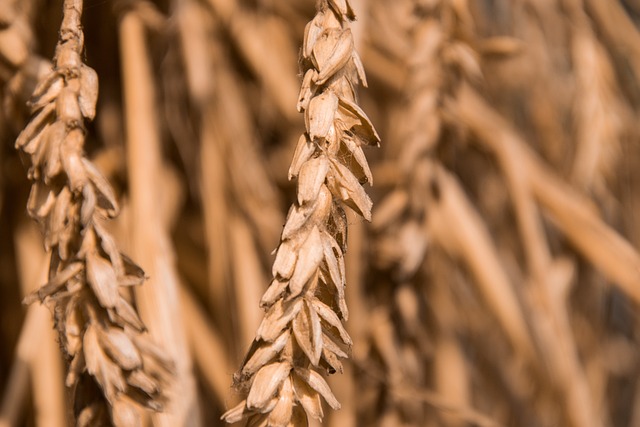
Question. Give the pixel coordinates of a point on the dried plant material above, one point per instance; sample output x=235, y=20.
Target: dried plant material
x=307, y=330
x=565, y=363
x=573, y=214
x=151, y=213
x=312, y=176
x=266, y=381
x=600, y=114
x=277, y=318
x=14, y=37
x=264, y=354
x=99, y=331
x=408, y=222
x=308, y=242
x=308, y=399
x=318, y=383
x=498, y=280
x=471, y=242
x=304, y=151
x=431, y=79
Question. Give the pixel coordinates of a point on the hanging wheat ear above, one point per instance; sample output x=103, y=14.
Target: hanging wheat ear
x=100, y=332
x=302, y=330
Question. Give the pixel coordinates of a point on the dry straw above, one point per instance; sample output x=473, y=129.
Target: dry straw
x=302, y=330
x=498, y=281
x=100, y=331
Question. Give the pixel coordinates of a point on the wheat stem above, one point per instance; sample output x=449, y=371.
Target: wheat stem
x=17, y=384
x=571, y=212
x=44, y=361
x=158, y=299
x=208, y=346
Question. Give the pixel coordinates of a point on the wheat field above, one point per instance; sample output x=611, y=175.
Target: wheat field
x=345, y=213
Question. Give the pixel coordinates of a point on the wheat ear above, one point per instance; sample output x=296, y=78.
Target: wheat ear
x=302, y=330
x=100, y=331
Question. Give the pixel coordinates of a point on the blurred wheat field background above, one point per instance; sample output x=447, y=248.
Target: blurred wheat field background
x=173, y=252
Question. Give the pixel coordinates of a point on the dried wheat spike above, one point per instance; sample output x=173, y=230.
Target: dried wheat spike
x=439, y=60
x=302, y=330
x=100, y=331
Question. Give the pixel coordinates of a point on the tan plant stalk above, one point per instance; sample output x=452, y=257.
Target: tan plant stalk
x=15, y=38
x=302, y=330
x=100, y=330
x=151, y=213
x=20, y=67
x=600, y=114
x=575, y=218
x=45, y=366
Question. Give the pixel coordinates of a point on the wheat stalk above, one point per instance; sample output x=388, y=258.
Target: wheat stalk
x=600, y=114
x=302, y=330
x=100, y=331
x=15, y=36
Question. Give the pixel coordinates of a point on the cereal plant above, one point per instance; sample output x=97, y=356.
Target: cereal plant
x=191, y=232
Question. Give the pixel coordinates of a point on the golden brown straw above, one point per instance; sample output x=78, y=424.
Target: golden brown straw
x=158, y=299
x=497, y=284
x=39, y=348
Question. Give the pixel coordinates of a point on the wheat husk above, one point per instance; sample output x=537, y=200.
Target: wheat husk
x=304, y=256
x=86, y=267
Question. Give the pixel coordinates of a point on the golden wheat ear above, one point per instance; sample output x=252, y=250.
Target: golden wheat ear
x=100, y=331
x=305, y=305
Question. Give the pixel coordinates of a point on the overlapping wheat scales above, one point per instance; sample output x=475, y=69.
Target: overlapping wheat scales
x=100, y=331
x=305, y=304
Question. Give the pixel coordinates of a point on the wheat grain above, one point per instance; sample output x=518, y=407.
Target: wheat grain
x=302, y=329
x=100, y=331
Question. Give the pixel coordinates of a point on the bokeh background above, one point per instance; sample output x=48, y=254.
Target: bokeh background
x=499, y=281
